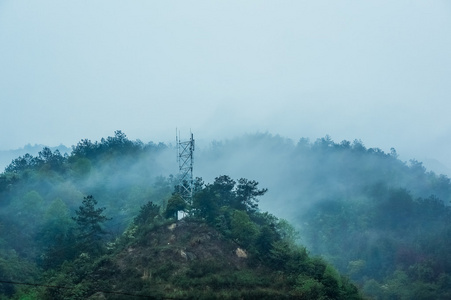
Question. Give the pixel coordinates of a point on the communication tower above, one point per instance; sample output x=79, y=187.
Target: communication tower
x=185, y=159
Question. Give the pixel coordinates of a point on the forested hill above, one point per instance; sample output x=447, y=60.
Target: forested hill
x=57, y=243
x=382, y=221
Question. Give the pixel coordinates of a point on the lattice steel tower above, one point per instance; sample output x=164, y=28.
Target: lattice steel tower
x=185, y=159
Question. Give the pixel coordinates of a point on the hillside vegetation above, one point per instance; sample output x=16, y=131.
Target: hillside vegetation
x=59, y=242
x=233, y=253
x=382, y=222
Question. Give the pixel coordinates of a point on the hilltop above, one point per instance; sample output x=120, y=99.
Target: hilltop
x=239, y=255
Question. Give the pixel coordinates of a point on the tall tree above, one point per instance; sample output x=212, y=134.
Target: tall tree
x=90, y=231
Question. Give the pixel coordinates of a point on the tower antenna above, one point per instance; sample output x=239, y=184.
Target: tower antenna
x=185, y=159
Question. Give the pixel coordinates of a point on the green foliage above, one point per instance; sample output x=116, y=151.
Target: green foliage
x=147, y=219
x=175, y=204
x=206, y=205
x=31, y=209
x=16, y=269
x=209, y=200
x=366, y=211
x=242, y=228
x=287, y=274
x=149, y=265
x=81, y=166
x=233, y=210
x=38, y=195
x=89, y=221
x=21, y=164
x=147, y=214
x=56, y=235
x=309, y=288
x=246, y=195
x=224, y=187
x=265, y=239
x=332, y=282
x=389, y=242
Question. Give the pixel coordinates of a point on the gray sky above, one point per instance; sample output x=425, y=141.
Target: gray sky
x=379, y=71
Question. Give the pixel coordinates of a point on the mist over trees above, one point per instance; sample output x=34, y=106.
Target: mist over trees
x=381, y=221
x=384, y=222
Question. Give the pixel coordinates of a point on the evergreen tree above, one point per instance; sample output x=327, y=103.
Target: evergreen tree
x=147, y=214
x=89, y=220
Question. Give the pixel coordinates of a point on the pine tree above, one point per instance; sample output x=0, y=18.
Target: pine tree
x=89, y=220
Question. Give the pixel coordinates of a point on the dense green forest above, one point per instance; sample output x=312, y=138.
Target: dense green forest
x=382, y=222
x=60, y=242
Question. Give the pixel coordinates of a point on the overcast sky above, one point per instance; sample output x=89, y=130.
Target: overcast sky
x=379, y=71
